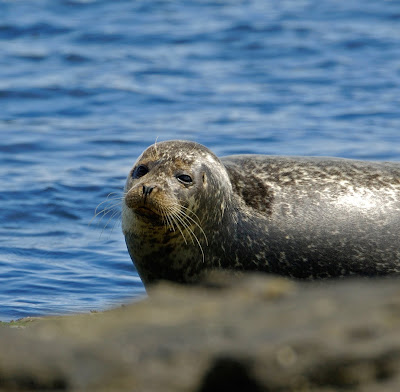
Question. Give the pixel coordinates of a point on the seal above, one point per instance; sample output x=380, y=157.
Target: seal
x=185, y=212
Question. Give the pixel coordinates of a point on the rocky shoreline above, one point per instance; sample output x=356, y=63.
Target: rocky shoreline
x=236, y=333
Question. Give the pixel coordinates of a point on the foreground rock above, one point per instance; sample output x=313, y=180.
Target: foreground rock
x=252, y=333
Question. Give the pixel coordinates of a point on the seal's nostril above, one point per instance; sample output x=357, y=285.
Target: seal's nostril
x=147, y=190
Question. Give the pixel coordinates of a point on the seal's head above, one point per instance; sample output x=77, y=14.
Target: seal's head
x=173, y=192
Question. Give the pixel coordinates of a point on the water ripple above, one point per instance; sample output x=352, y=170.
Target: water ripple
x=86, y=85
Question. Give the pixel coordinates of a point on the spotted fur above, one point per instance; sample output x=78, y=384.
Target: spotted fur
x=296, y=216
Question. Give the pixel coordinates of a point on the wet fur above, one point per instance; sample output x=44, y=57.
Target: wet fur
x=300, y=217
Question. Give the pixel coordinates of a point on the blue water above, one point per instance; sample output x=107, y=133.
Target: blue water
x=85, y=86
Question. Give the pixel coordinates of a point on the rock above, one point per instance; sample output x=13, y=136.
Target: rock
x=236, y=333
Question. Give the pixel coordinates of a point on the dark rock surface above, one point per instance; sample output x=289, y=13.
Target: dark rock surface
x=252, y=333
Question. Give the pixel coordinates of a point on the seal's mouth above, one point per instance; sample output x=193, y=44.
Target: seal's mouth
x=147, y=213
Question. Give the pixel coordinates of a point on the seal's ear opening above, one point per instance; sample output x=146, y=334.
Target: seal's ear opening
x=204, y=177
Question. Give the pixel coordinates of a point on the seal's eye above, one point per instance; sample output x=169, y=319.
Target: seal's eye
x=184, y=179
x=140, y=171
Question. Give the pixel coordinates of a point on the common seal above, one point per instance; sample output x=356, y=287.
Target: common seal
x=186, y=211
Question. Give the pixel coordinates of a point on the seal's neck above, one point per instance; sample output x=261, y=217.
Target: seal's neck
x=161, y=254
x=241, y=245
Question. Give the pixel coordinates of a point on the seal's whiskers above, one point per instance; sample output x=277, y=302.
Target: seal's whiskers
x=173, y=217
x=187, y=217
x=190, y=211
x=192, y=235
x=186, y=221
x=155, y=157
x=108, y=200
x=109, y=209
x=167, y=220
x=105, y=211
x=114, y=214
x=185, y=225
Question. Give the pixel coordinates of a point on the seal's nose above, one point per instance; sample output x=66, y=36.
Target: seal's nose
x=147, y=190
